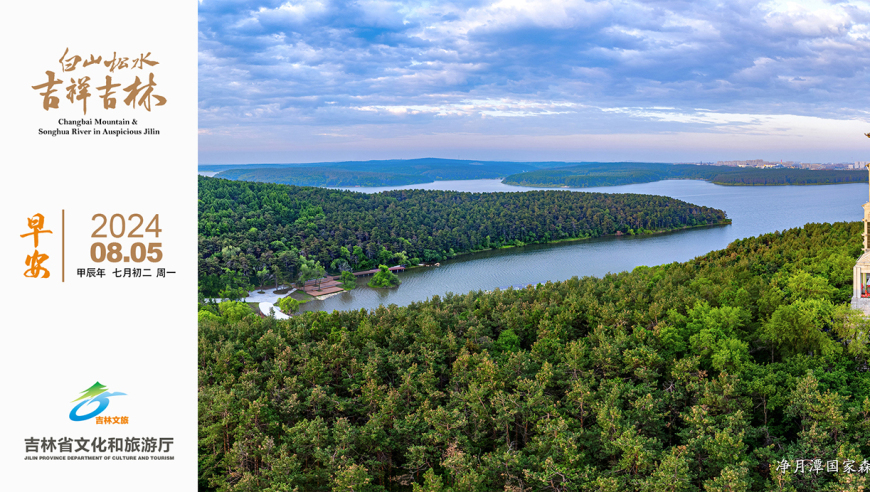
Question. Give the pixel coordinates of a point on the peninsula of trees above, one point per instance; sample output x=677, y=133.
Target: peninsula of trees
x=718, y=374
x=251, y=233
x=622, y=173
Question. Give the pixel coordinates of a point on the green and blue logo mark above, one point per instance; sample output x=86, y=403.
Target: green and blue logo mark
x=96, y=393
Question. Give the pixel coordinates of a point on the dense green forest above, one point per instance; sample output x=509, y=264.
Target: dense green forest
x=762, y=177
x=251, y=233
x=622, y=173
x=396, y=172
x=695, y=376
x=322, y=176
x=377, y=173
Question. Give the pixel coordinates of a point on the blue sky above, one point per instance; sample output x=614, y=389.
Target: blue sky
x=671, y=81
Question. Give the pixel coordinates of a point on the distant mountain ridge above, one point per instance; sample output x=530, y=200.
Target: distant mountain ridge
x=394, y=172
x=393, y=164
x=551, y=174
x=614, y=174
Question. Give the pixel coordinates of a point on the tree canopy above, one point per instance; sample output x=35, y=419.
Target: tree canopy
x=695, y=376
x=384, y=278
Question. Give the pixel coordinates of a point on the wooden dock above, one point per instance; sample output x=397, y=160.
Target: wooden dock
x=399, y=268
x=324, y=291
x=322, y=280
x=326, y=285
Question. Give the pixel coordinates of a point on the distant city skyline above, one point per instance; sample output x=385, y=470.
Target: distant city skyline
x=669, y=81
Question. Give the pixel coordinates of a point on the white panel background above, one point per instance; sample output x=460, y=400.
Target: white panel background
x=136, y=336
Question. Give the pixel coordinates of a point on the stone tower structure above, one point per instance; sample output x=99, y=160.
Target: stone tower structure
x=861, y=272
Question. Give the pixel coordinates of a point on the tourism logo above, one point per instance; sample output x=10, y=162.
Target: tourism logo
x=132, y=447
x=96, y=393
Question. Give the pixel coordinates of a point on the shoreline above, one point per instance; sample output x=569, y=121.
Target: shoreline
x=726, y=222
x=358, y=188
x=566, y=187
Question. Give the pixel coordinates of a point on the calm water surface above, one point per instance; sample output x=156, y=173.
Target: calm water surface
x=754, y=210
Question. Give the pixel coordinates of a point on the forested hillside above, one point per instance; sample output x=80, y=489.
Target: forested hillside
x=250, y=228
x=761, y=177
x=396, y=172
x=622, y=173
x=322, y=176
x=696, y=376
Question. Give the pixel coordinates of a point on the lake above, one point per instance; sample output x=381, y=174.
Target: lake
x=754, y=210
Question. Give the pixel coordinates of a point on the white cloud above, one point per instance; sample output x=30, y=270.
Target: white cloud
x=480, y=107
x=292, y=12
x=810, y=21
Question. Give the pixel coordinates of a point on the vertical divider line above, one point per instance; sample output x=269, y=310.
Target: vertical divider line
x=63, y=245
